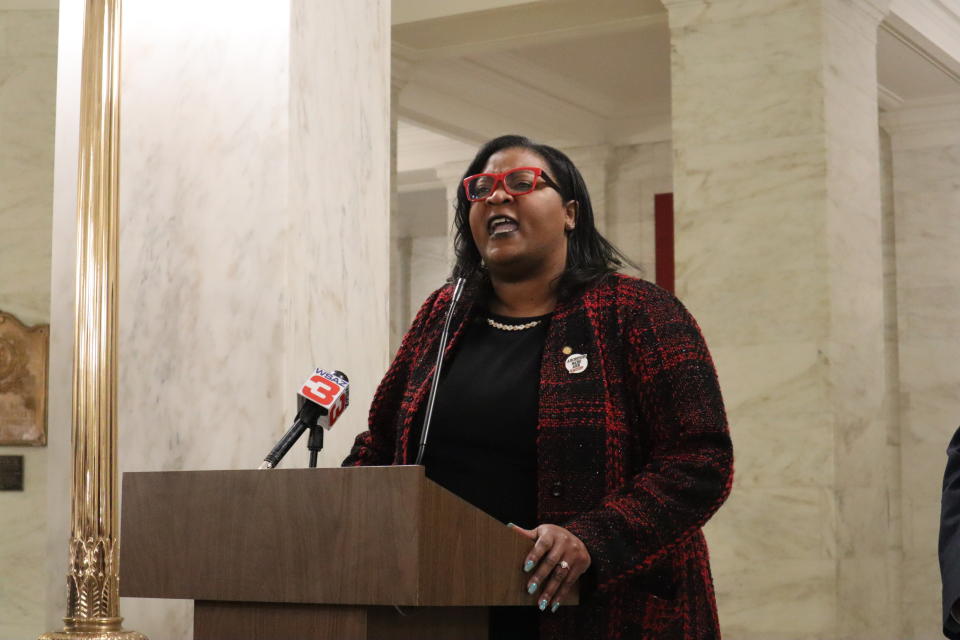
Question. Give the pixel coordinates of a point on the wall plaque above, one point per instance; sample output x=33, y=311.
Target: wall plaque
x=11, y=473
x=23, y=382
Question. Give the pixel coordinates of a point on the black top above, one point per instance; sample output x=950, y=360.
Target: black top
x=482, y=443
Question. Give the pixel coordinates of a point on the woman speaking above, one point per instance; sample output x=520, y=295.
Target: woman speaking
x=577, y=404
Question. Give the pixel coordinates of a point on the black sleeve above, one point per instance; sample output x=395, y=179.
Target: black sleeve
x=950, y=537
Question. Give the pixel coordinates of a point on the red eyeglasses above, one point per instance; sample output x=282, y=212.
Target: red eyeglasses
x=516, y=182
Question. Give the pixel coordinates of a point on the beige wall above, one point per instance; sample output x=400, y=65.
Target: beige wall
x=28, y=57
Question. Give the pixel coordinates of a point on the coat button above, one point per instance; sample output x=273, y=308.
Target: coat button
x=557, y=489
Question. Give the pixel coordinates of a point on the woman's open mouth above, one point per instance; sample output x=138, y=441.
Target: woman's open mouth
x=500, y=226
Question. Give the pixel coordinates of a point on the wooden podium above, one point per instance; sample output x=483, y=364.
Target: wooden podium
x=307, y=554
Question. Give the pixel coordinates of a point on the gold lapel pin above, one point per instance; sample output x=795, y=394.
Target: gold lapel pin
x=567, y=351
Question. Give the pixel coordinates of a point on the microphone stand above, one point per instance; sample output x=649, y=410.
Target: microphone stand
x=425, y=431
x=315, y=444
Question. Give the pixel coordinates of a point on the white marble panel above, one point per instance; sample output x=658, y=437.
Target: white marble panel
x=29, y=33
x=789, y=533
x=254, y=232
x=927, y=195
x=399, y=290
x=26, y=200
x=28, y=5
x=794, y=384
x=782, y=303
x=921, y=585
x=787, y=600
x=856, y=280
x=428, y=269
x=27, y=81
x=338, y=260
x=779, y=258
x=635, y=240
x=593, y=163
x=779, y=448
x=203, y=186
x=894, y=519
x=636, y=174
x=23, y=585
x=203, y=193
x=921, y=572
x=686, y=14
x=747, y=534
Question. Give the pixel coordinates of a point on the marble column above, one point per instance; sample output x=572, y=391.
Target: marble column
x=894, y=529
x=254, y=226
x=592, y=162
x=450, y=174
x=423, y=244
x=779, y=256
x=635, y=174
x=401, y=68
x=925, y=141
x=340, y=194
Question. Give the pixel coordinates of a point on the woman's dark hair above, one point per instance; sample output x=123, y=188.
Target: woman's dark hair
x=590, y=256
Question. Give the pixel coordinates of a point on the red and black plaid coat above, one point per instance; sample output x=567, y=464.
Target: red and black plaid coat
x=633, y=454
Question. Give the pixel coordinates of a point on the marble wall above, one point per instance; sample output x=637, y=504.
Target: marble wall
x=775, y=140
x=28, y=68
x=420, y=250
x=927, y=198
x=28, y=59
x=254, y=238
x=891, y=407
x=255, y=244
x=635, y=174
x=429, y=268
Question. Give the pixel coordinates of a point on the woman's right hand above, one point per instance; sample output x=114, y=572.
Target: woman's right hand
x=557, y=561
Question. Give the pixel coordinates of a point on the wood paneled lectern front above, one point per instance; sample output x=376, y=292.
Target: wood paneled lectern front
x=309, y=554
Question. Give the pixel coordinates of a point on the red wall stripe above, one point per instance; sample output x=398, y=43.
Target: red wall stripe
x=663, y=237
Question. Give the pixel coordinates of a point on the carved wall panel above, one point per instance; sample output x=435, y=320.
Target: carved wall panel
x=23, y=382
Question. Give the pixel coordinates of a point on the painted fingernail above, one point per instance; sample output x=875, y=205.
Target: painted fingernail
x=543, y=604
x=510, y=525
x=527, y=566
x=532, y=588
x=556, y=605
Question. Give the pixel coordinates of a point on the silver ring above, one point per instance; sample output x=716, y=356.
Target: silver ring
x=564, y=564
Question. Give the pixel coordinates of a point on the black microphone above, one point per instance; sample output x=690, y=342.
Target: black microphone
x=424, y=432
x=324, y=397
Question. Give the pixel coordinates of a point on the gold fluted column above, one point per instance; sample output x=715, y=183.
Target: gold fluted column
x=93, y=606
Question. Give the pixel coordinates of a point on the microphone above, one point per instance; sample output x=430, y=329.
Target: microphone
x=322, y=398
x=425, y=430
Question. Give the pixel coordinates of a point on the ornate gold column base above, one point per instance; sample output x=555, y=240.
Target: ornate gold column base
x=93, y=635
x=93, y=629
